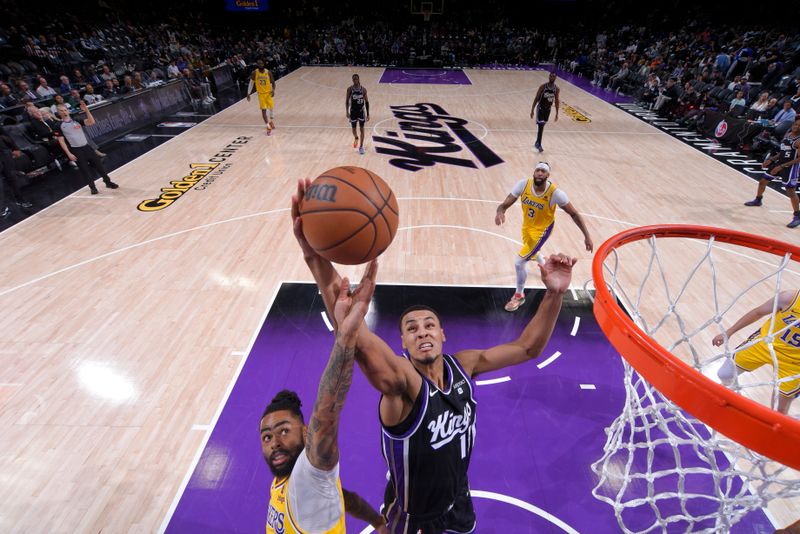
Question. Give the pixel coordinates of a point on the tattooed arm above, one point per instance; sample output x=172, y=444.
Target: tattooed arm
x=357, y=507
x=322, y=444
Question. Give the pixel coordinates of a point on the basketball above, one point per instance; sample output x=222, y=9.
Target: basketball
x=349, y=215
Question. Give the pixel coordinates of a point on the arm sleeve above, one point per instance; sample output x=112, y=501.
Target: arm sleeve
x=313, y=496
x=560, y=198
x=519, y=187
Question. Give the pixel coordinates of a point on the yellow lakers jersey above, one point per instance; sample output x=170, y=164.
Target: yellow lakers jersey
x=263, y=84
x=279, y=516
x=538, y=212
x=786, y=342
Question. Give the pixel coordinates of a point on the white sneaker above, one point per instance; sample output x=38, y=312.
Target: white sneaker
x=516, y=301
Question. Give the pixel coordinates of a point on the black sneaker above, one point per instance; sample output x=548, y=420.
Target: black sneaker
x=94, y=190
x=754, y=202
x=111, y=185
x=24, y=204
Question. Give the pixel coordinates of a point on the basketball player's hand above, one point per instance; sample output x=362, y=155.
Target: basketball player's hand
x=718, y=340
x=297, y=221
x=347, y=114
x=352, y=304
x=248, y=98
x=588, y=243
x=775, y=170
x=499, y=218
x=557, y=272
x=72, y=157
x=556, y=119
x=531, y=114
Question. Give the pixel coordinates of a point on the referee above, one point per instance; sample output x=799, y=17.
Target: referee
x=75, y=145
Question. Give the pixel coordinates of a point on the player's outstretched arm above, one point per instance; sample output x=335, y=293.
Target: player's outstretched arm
x=558, y=103
x=784, y=299
x=500, y=214
x=271, y=82
x=357, y=507
x=323, y=428
x=385, y=371
x=537, y=98
x=556, y=275
x=578, y=220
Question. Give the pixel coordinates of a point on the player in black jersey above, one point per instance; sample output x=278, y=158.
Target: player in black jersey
x=356, y=104
x=546, y=96
x=427, y=409
x=785, y=164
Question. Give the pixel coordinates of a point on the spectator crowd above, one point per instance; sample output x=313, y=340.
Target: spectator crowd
x=51, y=65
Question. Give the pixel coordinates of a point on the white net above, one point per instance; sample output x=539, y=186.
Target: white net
x=663, y=470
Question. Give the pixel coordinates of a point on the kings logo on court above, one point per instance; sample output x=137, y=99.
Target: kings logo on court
x=427, y=136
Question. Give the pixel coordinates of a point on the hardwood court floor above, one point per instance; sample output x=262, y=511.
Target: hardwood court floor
x=122, y=329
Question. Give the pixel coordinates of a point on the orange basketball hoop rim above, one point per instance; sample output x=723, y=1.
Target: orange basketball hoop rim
x=755, y=426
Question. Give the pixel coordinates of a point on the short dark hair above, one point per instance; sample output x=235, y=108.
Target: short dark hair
x=418, y=307
x=285, y=400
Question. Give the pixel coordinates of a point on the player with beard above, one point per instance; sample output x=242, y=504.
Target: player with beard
x=306, y=494
x=264, y=84
x=427, y=409
x=538, y=198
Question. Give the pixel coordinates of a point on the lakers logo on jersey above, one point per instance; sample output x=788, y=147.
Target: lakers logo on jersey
x=282, y=516
x=275, y=520
x=538, y=211
x=538, y=218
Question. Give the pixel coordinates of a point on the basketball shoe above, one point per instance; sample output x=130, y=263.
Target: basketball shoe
x=516, y=301
x=795, y=222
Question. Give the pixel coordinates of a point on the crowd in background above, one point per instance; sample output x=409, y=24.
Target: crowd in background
x=679, y=66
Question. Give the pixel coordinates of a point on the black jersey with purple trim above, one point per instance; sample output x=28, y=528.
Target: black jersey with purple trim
x=357, y=102
x=788, y=152
x=428, y=454
x=548, y=96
